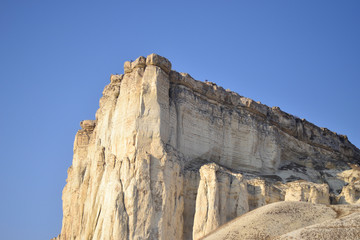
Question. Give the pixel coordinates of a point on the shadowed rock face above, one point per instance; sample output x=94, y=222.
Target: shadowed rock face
x=169, y=157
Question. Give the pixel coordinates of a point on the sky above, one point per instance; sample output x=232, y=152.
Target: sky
x=57, y=56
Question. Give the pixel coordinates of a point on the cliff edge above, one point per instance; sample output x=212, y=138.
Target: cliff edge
x=170, y=157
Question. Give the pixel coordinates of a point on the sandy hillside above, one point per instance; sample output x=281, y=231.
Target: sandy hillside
x=293, y=220
x=347, y=227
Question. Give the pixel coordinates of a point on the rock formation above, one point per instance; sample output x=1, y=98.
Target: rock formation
x=170, y=157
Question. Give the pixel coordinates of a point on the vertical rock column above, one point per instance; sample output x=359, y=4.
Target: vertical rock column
x=221, y=197
x=123, y=184
x=74, y=193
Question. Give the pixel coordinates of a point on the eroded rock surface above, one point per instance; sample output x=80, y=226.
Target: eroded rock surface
x=221, y=196
x=170, y=157
x=292, y=220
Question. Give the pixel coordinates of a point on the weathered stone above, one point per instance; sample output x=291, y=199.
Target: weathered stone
x=350, y=194
x=88, y=125
x=156, y=60
x=140, y=62
x=221, y=197
x=262, y=192
x=127, y=67
x=307, y=192
x=170, y=157
x=115, y=79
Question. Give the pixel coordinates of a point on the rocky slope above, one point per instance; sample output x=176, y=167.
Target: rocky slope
x=169, y=157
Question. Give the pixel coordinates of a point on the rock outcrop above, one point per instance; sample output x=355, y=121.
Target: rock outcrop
x=221, y=196
x=170, y=157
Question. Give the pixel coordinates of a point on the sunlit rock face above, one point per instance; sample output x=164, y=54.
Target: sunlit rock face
x=293, y=220
x=170, y=157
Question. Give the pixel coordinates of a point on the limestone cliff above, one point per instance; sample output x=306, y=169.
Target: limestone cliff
x=170, y=157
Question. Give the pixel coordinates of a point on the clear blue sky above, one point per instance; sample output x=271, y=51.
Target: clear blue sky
x=57, y=56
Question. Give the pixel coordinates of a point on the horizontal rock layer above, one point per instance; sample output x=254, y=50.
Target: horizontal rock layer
x=169, y=157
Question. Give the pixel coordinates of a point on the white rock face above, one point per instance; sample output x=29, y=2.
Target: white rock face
x=351, y=192
x=123, y=184
x=221, y=196
x=307, y=192
x=169, y=157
